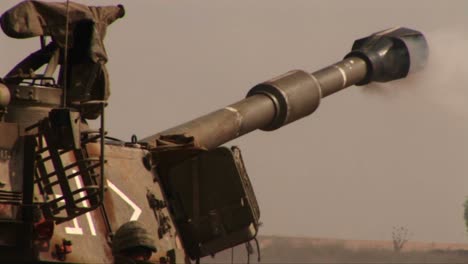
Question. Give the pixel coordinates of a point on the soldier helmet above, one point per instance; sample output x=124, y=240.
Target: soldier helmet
x=130, y=235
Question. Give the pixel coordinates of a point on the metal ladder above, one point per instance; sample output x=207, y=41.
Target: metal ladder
x=69, y=180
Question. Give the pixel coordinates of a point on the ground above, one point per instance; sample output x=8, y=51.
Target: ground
x=275, y=249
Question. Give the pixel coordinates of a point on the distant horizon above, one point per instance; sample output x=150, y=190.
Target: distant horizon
x=410, y=241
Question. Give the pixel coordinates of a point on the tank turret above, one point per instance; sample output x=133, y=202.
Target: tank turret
x=69, y=193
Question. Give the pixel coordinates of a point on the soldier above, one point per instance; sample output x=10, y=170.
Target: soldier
x=132, y=244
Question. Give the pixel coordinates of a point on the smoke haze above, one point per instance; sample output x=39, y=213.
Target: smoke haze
x=443, y=81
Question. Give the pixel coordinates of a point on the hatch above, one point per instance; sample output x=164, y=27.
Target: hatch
x=212, y=201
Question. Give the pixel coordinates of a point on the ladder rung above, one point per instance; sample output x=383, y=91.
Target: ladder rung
x=87, y=188
x=10, y=195
x=44, y=149
x=50, y=157
x=13, y=192
x=49, y=175
x=10, y=202
x=50, y=184
x=75, y=165
x=75, y=202
x=32, y=126
x=90, y=139
x=78, y=162
x=86, y=197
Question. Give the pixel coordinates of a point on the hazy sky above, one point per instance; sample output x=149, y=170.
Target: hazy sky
x=366, y=160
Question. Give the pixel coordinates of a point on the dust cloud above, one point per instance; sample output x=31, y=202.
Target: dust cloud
x=443, y=82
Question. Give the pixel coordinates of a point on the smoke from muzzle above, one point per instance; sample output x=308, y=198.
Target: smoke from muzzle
x=443, y=81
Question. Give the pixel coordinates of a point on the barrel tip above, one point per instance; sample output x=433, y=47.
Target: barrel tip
x=391, y=54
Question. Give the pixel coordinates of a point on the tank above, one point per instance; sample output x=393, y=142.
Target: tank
x=66, y=187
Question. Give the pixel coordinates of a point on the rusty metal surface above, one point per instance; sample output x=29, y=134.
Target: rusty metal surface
x=127, y=182
x=9, y=134
x=35, y=95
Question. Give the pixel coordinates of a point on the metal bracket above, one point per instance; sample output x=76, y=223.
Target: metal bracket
x=157, y=205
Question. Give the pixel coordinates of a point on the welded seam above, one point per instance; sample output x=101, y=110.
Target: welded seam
x=343, y=74
x=238, y=119
x=319, y=87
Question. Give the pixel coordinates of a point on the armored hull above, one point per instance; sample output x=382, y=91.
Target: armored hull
x=66, y=187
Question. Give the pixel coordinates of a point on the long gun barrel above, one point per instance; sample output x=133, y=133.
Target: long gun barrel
x=384, y=56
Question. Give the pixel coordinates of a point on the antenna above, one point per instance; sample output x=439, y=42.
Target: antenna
x=65, y=60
